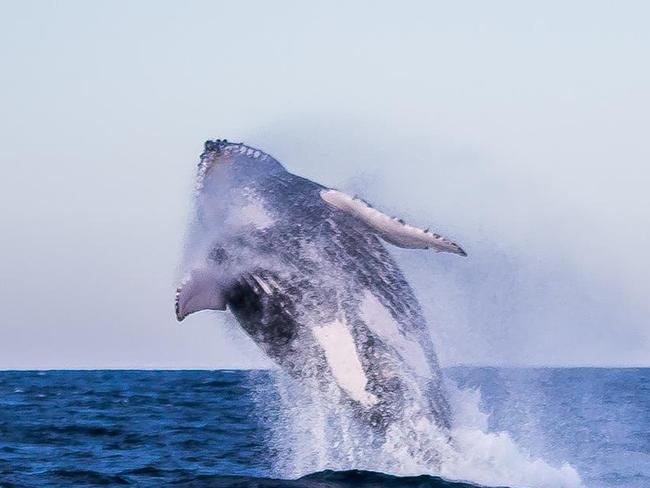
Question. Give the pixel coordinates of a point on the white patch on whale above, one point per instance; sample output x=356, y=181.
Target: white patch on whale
x=341, y=355
x=380, y=321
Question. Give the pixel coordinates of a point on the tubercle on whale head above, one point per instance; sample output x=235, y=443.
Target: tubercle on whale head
x=213, y=146
x=219, y=147
x=213, y=153
x=223, y=151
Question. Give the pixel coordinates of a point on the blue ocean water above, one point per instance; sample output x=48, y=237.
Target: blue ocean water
x=208, y=428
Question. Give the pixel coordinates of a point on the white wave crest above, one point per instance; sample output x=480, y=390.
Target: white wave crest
x=494, y=458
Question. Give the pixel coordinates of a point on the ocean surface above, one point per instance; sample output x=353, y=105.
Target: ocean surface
x=217, y=428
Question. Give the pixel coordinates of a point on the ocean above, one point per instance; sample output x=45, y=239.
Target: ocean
x=539, y=427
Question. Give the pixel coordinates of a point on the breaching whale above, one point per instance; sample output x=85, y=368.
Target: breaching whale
x=304, y=270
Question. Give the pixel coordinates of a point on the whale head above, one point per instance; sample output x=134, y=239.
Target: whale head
x=221, y=245
x=227, y=163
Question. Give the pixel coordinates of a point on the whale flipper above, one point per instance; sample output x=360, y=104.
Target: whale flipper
x=200, y=290
x=392, y=230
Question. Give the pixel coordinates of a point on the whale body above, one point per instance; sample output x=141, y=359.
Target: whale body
x=306, y=272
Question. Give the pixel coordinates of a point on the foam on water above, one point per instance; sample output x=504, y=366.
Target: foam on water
x=494, y=458
x=318, y=431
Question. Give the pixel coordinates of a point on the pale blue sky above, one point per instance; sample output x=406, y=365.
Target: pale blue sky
x=518, y=128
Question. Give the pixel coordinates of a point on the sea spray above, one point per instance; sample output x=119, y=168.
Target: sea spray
x=313, y=431
x=494, y=458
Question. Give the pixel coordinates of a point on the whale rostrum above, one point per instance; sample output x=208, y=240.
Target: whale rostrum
x=303, y=269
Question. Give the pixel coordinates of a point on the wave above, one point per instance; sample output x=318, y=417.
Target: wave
x=187, y=478
x=327, y=479
x=86, y=477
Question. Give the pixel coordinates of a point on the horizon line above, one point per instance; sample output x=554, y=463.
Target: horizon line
x=171, y=369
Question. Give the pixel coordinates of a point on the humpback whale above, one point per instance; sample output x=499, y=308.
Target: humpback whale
x=306, y=272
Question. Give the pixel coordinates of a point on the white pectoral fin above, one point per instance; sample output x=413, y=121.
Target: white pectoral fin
x=200, y=290
x=392, y=230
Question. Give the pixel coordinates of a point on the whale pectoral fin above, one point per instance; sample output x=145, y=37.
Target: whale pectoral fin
x=199, y=291
x=392, y=230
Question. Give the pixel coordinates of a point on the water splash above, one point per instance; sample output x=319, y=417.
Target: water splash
x=494, y=458
x=314, y=431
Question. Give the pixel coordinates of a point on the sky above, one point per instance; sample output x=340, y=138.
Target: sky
x=519, y=129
